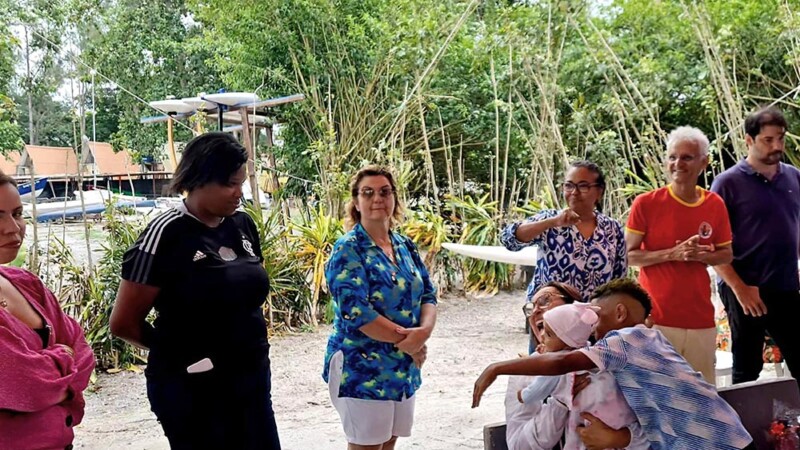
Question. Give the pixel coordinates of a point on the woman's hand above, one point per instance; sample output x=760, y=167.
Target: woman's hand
x=420, y=357
x=67, y=349
x=414, y=340
x=598, y=436
x=581, y=381
x=567, y=218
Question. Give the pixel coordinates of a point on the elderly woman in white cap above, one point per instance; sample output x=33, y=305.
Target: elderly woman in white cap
x=536, y=424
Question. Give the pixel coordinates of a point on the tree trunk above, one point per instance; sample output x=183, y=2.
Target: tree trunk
x=31, y=136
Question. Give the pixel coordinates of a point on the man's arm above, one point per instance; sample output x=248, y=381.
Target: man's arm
x=643, y=258
x=546, y=364
x=748, y=296
x=688, y=250
x=717, y=255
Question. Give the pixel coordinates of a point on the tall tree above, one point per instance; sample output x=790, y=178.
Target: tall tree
x=144, y=47
x=10, y=131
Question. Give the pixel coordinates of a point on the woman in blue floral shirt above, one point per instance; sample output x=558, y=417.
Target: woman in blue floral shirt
x=579, y=245
x=385, y=310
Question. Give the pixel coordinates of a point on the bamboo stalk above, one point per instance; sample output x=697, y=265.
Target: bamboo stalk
x=501, y=206
x=78, y=154
x=429, y=159
x=496, y=166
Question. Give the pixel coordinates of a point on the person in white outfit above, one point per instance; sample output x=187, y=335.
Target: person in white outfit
x=538, y=416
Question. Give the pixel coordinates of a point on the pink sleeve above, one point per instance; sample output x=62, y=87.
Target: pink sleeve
x=42, y=378
x=66, y=331
x=34, y=380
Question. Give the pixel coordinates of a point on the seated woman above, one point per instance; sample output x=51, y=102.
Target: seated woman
x=547, y=296
x=525, y=394
x=45, y=361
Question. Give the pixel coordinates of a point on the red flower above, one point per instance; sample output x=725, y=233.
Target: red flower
x=777, y=428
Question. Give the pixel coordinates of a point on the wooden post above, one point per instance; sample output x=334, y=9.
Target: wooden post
x=276, y=183
x=173, y=158
x=251, y=158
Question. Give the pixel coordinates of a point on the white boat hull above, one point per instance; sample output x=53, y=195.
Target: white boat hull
x=231, y=98
x=94, y=197
x=172, y=106
x=525, y=257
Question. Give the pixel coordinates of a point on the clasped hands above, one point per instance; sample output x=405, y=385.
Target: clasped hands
x=414, y=343
x=691, y=250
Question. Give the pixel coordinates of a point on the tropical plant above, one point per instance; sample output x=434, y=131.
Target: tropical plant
x=88, y=294
x=479, y=226
x=429, y=231
x=287, y=294
x=314, y=239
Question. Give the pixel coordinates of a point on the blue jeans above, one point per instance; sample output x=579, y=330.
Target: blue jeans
x=216, y=409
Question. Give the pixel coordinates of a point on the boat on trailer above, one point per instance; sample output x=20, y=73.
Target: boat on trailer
x=38, y=187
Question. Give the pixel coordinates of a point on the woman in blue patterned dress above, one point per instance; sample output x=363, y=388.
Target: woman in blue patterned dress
x=579, y=245
x=385, y=310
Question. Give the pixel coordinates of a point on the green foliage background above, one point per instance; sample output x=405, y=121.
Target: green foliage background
x=477, y=105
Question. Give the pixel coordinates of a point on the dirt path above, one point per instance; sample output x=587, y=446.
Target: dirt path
x=469, y=335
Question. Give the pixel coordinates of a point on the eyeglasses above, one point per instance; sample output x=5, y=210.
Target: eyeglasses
x=368, y=192
x=545, y=299
x=583, y=188
x=542, y=302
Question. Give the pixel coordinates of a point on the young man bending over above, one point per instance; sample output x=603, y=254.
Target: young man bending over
x=675, y=407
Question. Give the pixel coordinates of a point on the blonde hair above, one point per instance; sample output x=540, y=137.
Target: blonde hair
x=353, y=215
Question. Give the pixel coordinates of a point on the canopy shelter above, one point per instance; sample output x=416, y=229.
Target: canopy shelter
x=241, y=111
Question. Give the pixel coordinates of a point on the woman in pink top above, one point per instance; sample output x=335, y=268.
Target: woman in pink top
x=45, y=362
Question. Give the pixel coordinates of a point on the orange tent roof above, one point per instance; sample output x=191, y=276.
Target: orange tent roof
x=110, y=162
x=9, y=162
x=50, y=160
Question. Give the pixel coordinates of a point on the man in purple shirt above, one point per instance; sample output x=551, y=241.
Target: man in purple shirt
x=761, y=288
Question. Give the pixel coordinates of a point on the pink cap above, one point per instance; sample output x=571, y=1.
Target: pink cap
x=572, y=323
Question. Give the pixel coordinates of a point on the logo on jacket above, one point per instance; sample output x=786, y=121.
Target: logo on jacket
x=227, y=254
x=705, y=231
x=248, y=247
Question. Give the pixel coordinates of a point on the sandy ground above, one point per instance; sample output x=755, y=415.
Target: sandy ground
x=470, y=334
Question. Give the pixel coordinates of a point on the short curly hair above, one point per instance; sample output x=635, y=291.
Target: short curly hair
x=628, y=287
x=208, y=158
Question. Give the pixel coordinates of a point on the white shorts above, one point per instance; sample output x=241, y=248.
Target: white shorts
x=368, y=422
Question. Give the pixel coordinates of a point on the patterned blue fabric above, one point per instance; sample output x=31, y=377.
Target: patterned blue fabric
x=365, y=284
x=676, y=408
x=565, y=256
